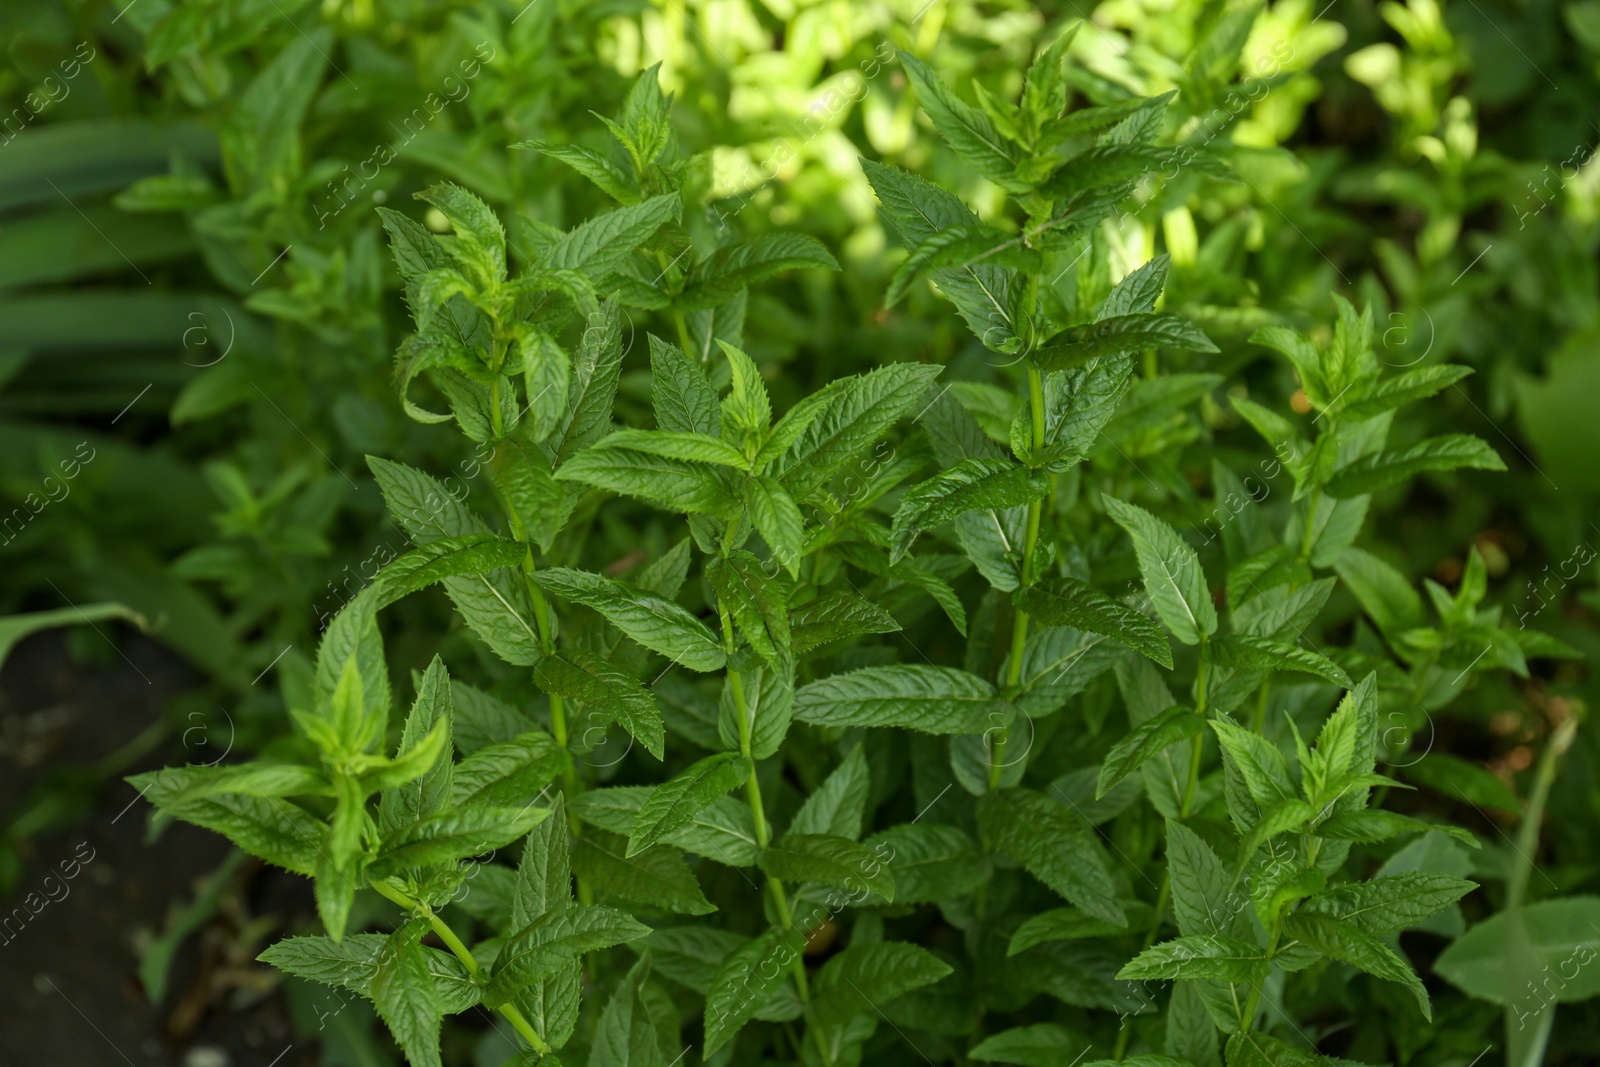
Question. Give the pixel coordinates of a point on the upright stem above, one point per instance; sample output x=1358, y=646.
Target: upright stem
x=459, y=948
x=1019, y=626
x=1197, y=746
x=752, y=792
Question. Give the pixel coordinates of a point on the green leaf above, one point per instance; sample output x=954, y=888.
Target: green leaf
x=1171, y=572
x=1453, y=776
x=478, y=243
x=681, y=393
x=828, y=860
x=1077, y=345
x=1251, y=1049
x=968, y=486
x=1199, y=956
x=724, y=831
x=1392, y=902
x=840, y=802
x=278, y=831
x=858, y=413
x=1265, y=771
x=960, y=246
x=935, y=700
x=547, y=944
x=509, y=773
x=599, y=246
x=745, y=981
x=1346, y=941
x=777, y=518
x=657, y=877
x=628, y=1034
x=968, y=130
x=756, y=602
x=887, y=969
x=674, y=804
x=1371, y=399
x=453, y=835
x=931, y=862
x=1380, y=470
x=836, y=617
x=1564, y=934
x=1147, y=739
x=448, y=557
x=1383, y=592
x=1039, y=1045
x=611, y=179
x=679, y=485
x=1069, y=602
x=1054, y=845
x=593, y=682
x=1060, y=924
x=352, y=962
x=428, y=792
x=738, y=265
x=1250, y=653
x=673, y=444
x=1369, y=827
x=654, y=622
x=916, y=210
x=1203, y=897
x=403, y=993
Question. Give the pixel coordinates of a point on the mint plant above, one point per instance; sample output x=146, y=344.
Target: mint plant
x=942, y=704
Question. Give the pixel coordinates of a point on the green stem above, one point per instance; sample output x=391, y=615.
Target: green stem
x=459, y=948
x=752, y=792
x=1197, y=746
x=1019, y=626
x=1248, y=1018
x=1311, y=525
x=1261, y=708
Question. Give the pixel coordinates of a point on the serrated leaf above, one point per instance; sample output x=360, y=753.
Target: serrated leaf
x=1251, y=653
x=403, y=993
x=836, y=617
x=839, y=803
x=887, y=969
x=1055, y=845
x=657, y=877
x=931, y=862
x=745, y=981
x=680, y=392
x=452, y=835
x=548, y=943
x=968, y=486
x=1060, y=924
x=935, y=700
x=655, y=622
x=593, y=682
x=1380, y=470
x=1144, y=741
x=679, y=485
x=673, y=444
x=828, y=860
x=1371, y=399
x=1392, y=902
x=1039, y=1045
x=674, y=804
x=859, y=411
x=599, y=246
x=448, y=557
x=1069, y=602
x=1171, y=572
x=738, y=265
x=961, y=246
x=1077, y=345
x=508, y=773
x=968, y=130
x=1199, y=956
x=756, y=602
x=1347, y=942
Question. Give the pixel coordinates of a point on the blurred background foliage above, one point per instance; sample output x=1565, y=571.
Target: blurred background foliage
x=194, y=288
